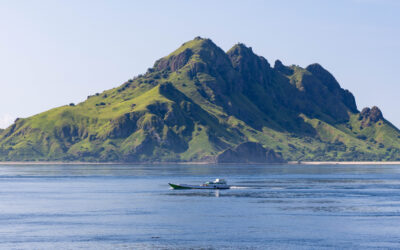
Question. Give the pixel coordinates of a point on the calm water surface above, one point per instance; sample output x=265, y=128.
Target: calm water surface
x=132, y=207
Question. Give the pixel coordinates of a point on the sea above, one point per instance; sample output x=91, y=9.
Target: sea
x=132, y=207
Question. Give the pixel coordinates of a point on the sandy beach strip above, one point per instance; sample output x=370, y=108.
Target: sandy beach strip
x=200, y=163
x=345, y=162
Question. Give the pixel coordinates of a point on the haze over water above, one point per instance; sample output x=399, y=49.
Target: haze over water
x=123, y=206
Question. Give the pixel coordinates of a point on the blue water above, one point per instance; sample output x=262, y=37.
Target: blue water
x=132, y=207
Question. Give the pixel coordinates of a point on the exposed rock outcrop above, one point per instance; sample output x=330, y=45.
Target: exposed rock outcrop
x=174, y=63
x=331, y=83
x=197, y=102
x=370, y=116
x=252, y=68
x=282, y=68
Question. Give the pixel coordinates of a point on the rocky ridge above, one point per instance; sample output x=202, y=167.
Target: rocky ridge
x=203, y=104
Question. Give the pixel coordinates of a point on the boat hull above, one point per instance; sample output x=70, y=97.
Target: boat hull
x=184, y=186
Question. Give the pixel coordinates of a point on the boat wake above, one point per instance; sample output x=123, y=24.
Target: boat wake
x=239, y=187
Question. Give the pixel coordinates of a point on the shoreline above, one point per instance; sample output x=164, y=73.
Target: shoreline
x=200, y=163
x=345, y=163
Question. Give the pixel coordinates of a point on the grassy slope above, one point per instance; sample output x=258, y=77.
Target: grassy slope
x=85, y=131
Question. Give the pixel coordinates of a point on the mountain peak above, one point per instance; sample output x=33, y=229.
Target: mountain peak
x=240, y=51
x=203, y=47
x=200, y=103
x=278, y=65
x=196, y=45
x=241, y=47
x=323, y=75
x=199, y=38
x=252, y=67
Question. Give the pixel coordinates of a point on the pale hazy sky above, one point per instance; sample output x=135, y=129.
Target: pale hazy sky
x=56, y=52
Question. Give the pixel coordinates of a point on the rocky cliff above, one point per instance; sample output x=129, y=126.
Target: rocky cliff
x=200, y=103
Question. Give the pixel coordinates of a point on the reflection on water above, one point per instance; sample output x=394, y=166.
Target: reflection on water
x=125, y=206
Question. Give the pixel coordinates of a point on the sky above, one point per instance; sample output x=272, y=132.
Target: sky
x=54, y=52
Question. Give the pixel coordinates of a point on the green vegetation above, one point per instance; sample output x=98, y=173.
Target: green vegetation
x=200, y=101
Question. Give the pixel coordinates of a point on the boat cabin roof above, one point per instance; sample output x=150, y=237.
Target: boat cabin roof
x=217, y=181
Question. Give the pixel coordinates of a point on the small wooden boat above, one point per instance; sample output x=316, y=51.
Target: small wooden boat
x=217, y=184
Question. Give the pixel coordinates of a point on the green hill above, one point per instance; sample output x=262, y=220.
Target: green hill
x=199, y=102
